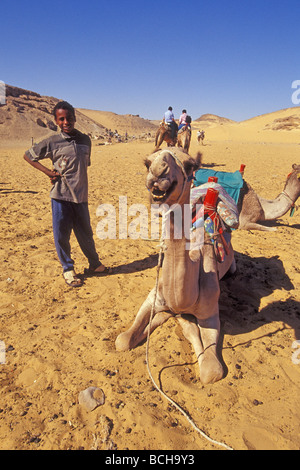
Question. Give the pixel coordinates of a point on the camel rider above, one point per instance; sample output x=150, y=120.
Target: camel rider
x=170, y=120
x=182, y=119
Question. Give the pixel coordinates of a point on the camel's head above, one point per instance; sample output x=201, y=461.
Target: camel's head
x=293, y=180
x=168, y=175
x=296, y=169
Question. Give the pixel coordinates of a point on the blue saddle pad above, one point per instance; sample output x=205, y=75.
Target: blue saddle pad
x=231, y=182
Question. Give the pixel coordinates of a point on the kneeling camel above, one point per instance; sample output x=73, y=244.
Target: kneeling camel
x=254, y=208
x=188, y=290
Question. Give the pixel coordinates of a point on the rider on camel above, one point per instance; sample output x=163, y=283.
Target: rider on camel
x=170, y=120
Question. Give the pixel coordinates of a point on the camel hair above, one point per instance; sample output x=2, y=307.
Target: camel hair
x=253, y=208
x=186, y=289
x=184, y=138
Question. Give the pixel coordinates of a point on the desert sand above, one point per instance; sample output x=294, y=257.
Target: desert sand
x=59, y=340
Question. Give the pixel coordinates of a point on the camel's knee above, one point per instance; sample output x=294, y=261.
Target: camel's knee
x=189, y=327
x=123, y=342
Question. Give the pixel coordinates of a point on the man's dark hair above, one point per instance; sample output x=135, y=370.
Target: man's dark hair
x=170, y=108
x=63, y=105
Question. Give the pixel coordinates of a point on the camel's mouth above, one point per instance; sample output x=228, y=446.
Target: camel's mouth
x=159, y=195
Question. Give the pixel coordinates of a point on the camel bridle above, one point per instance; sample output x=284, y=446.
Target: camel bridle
x=187, y=179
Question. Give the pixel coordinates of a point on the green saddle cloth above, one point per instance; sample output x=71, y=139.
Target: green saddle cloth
x=231, y=182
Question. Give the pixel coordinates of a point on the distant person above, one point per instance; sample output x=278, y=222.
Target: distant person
x=70, y=152
x=200, y=136
x=170, y=120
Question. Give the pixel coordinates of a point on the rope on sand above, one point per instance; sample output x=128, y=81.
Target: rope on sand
x=212, y=441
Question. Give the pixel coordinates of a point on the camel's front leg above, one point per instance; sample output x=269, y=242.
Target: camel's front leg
x=191, y=332
x=255, y=226
x=139, y=329
x=159, y=140
x=211, y=369
x=204, y=340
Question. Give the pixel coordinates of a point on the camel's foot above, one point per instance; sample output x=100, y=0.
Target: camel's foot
x=124, y=342
x=211, y=370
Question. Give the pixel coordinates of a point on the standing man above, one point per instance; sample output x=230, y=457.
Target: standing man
x=70, y=152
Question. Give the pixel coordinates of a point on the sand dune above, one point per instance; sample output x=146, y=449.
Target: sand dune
x=60, y=341
x=281, y=126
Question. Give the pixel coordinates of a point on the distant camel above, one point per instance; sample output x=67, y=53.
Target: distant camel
x=164, y=134
x=184, y=138
x=254, y=208
x=200, y=136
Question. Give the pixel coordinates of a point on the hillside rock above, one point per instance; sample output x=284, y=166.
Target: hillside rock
x=27, y=116
x=132, y=124
x=213, y=119
x=286, y=123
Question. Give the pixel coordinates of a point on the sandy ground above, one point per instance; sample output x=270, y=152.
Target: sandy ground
x=60, y=341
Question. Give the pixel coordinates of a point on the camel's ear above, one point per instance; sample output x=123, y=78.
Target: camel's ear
x=192, y=164
x=147, y=163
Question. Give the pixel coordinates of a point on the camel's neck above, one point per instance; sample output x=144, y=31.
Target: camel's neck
x=177, y=222
x=282, y=204
x=180, y=274
x=277, y=207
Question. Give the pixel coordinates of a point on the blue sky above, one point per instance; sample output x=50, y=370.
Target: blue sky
x=236, y=59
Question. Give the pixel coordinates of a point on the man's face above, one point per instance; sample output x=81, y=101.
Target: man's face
x=65, y=120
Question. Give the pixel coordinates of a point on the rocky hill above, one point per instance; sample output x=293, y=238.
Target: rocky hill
x=287, y=119
x=213, y=119
x=132, y=124
x=27, y=116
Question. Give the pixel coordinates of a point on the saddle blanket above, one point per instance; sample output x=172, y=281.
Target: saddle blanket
x=231, y=182
x=181, y=129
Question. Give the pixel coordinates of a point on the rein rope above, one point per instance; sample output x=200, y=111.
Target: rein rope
x=293, y=206
x=178, y=407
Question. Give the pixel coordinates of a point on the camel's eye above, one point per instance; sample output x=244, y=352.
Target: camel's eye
x=164, y=173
